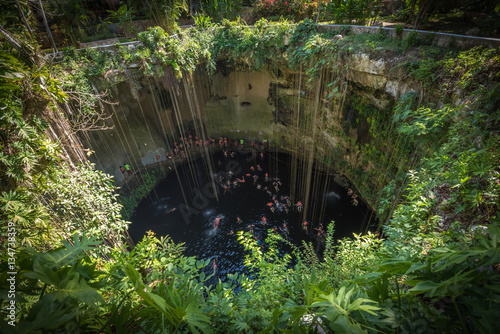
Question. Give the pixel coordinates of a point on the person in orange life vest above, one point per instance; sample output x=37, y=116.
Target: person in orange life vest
x=299, y=206
x=271, y=207
x=264, y=221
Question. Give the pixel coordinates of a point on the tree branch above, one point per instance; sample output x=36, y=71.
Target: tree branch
x=12, y=41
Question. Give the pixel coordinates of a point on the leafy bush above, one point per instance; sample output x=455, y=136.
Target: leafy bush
x=167, y=51
x=293, y=9
x=359, y=12
x=130, y=201
x=473, y=64
x=202, y=21
x=219, y=10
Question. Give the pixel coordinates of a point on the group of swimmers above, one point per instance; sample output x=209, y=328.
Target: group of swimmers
x=271, y=185
x=126, y=170
x=191, y=141
x=354, y=197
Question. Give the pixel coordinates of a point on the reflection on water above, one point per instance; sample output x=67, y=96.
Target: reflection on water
x=333, y=196
x=241, y=206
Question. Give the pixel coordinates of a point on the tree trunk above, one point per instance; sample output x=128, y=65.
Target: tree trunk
x=47, y=26
x=24, y=19
x=319, y=11
x=15, y=44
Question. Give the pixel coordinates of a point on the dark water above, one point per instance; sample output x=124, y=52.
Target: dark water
x=194, y=225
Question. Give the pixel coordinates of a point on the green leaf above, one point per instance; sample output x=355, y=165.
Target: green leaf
x=74, y=286
x=64, y=256
x=415, y=267
x=425, y=286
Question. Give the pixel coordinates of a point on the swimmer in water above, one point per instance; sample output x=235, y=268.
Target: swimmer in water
x=264, y=221
x=216, y=222
x=299, y=206
x=214, y=266
x=275, y=184
x=238, y=220
x=285, y=227
x=259, y=186
x=320, y=230
x=258, y=240
x=172, y=210
x=271, y=207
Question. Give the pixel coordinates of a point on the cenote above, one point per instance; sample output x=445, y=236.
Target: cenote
x=353, y=125
x=165, y=212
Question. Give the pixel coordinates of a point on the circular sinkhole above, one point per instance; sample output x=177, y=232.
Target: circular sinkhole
x=184, y=206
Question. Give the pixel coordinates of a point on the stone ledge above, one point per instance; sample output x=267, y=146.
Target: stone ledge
x=440, y=38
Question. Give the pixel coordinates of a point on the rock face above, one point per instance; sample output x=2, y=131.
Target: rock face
x=473, y=32
x=152, y=113
x=380, y=75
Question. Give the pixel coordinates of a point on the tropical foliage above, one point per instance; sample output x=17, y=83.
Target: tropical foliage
x=292, y=9
x=359, y=12
x=433, y=266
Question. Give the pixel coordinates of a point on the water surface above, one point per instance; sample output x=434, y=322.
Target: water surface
x=165, y=212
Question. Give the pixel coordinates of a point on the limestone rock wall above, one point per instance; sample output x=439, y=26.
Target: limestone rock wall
x=150, y=114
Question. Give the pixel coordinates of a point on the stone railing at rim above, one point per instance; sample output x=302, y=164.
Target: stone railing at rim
x=439, y=38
